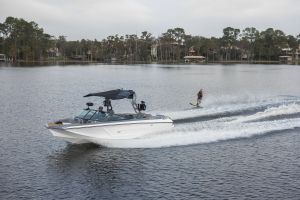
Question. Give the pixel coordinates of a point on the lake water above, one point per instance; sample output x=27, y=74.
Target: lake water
x=243, y=144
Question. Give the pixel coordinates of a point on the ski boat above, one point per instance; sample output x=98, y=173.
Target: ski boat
x=98, y=126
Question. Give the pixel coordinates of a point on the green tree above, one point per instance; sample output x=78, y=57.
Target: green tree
x=292, y=42
x=249, y=36
x=229, y=39
x=24, y=40
x=61, y=45
x=145, y=43
x=271, y=43
x=172, y=44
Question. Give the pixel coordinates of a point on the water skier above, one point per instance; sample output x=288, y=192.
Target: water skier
x=199, y=97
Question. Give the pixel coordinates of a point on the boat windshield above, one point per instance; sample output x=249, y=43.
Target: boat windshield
x=82, y=114
x=90, y=114
x=100, y=116
x=94, y=115
x=86, y=114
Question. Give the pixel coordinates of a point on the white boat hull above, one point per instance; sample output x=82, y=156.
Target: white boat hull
x=101, y=133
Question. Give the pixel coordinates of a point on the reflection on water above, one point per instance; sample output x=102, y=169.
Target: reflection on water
x=73, y=153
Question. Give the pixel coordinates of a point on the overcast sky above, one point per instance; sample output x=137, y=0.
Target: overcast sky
x=96, y=19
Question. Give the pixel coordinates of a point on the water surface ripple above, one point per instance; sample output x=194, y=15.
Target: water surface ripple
x=243, y=143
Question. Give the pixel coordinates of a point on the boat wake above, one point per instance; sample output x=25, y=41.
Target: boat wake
x=226, y=122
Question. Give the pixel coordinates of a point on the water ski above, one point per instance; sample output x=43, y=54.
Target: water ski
x=196, y=106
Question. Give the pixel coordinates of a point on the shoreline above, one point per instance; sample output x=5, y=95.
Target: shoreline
x=48, y=62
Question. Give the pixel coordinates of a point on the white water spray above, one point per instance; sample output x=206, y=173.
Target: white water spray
x=229, y=121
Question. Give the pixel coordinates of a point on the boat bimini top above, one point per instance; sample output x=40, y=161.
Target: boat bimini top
x=114, y=94
x=117, y=95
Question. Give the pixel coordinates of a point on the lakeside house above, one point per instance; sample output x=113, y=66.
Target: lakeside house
x=192, y=58
x=2, y=58
x=289, y=56
x=286, y=59
x=53, y=52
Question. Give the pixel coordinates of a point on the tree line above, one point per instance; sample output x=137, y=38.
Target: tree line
x=26, y=41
